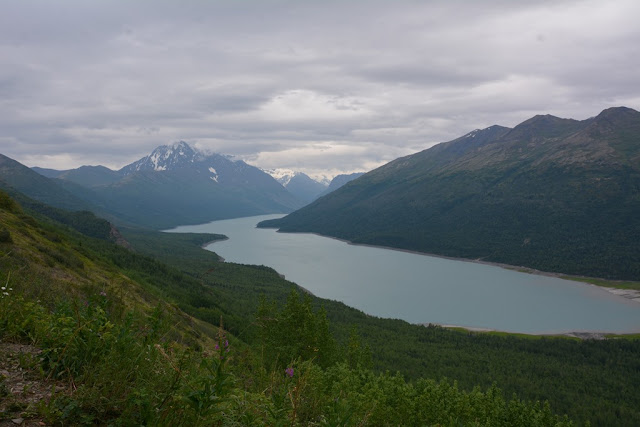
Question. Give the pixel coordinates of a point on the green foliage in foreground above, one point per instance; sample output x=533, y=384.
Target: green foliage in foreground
x=589, y=380
x=581, y=378
x=127, y=375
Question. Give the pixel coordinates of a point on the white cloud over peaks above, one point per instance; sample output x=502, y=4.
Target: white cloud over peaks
x=308, y=105
x=343, y=86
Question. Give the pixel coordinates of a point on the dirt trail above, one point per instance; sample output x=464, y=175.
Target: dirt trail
x=22, y=386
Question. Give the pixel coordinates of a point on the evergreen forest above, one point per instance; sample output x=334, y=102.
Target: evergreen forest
x=164, y=333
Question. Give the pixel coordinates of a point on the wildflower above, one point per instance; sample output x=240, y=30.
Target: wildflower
x=103, y=293
x=289, y=371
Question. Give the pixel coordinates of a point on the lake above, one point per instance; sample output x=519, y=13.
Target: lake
x=424, y=289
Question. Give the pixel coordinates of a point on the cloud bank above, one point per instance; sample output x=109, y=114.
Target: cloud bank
x=322, y=87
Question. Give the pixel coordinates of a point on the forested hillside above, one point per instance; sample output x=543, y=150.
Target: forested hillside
x=553, y=194
x=137, y=334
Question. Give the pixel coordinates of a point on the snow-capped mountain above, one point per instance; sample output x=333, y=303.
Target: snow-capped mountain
x=283, y=176
x=178, y=184
x=181, y=158
x=166, y=157
x=299, y=184
x=304, y=187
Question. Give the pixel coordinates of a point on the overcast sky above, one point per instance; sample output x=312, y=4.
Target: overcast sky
x=324, y=87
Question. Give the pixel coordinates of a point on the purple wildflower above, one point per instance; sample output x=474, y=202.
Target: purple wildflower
x=289, y=371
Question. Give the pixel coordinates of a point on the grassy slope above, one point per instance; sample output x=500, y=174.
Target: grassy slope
x=52, y=264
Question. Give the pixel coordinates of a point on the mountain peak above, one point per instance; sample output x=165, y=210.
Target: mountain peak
x=540, y=120
x=544, y=126
x=482, y=134
x=181, y=144
x=283, y=176
x=618, y=113
x=165, y=157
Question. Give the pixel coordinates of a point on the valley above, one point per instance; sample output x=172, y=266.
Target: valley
x=423, y=289
x=82, y=257
x=305, y=213
x=552, y=194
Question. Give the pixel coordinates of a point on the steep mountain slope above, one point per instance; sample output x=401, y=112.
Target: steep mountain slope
x=15, y=175
x=177, y=184
x=298, y=183
x=304, y=187
x=49, y=173
x=340, y=180
x=553, y=194
x=91, y=176
x=56, y=264
x=166, y=157
x=86, y=176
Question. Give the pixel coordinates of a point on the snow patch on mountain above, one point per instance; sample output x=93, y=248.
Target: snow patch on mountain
x=283, y=176
x=214, y=174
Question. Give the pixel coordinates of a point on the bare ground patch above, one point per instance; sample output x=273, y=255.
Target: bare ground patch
x=22, y=385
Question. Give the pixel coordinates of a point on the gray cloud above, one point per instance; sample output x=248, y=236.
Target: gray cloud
x=324, y=87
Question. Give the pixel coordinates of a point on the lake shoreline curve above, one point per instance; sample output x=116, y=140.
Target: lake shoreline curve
x=630, y=294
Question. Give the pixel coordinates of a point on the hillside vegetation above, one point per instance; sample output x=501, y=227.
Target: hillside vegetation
x=130, y=339
x=552, y=194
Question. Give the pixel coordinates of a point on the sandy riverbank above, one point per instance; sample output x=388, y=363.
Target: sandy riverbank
x=576, y=334
x=631, y=294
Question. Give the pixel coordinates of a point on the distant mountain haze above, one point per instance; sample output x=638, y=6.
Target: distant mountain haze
x=304, y=187
x=340, y=180
x=175, y=184
x=553, y=194
x=15, y=176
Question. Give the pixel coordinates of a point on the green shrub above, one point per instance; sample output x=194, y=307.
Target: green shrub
x=5, y=236
x=7, y=203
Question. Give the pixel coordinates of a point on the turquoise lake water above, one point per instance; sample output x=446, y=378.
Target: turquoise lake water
x=424, y=289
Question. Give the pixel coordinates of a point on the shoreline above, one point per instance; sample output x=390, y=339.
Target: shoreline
x=205, y=244
x=630, y=294
x=221, y=259
x=583, y=335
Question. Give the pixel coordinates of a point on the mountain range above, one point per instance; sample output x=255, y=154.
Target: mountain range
x=173, y=185
x=306, y=188
x=338, y=181
x=130, y=335
x=558, y=195
x=299, y=184
x=554, y=194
